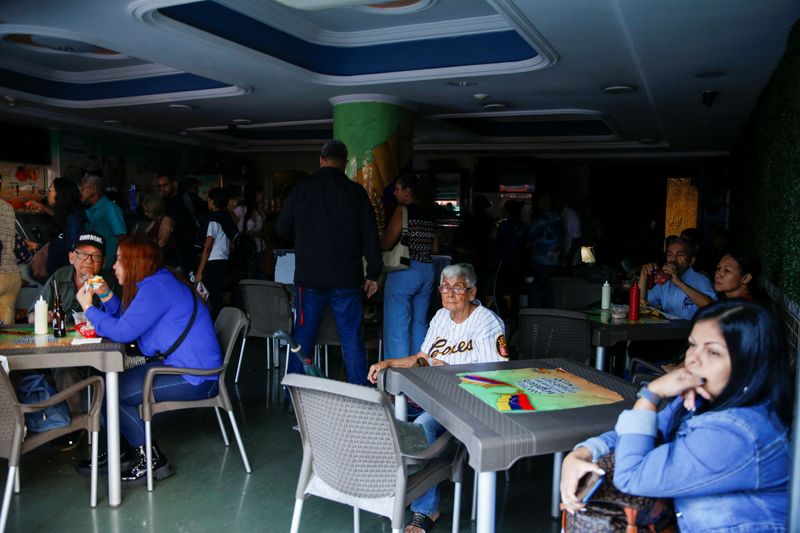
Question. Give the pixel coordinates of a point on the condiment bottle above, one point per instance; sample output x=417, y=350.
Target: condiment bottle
x=40, y=317
x=605, y=298
x=633, y=302
x=59, y=317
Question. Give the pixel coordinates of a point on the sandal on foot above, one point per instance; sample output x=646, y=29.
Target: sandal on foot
x=422, y=521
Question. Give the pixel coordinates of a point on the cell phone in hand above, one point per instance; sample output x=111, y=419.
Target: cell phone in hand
x=588, y=485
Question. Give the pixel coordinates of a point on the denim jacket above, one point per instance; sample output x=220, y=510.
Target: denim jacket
x=726, y=470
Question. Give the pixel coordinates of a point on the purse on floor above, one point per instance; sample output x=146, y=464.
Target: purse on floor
x=398, y=257
x=612, y=511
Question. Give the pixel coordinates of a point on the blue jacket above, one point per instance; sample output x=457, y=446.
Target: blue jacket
x=156, y=317
x=726, y=470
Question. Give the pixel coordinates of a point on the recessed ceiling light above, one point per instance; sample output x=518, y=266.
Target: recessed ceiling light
x=480, y=96
x=187, y=107
x=396, y=7
x=241, y=121
x=462, y=83
x=494, y=107
x=112, y=121
x=705, y=74
x=619, y=89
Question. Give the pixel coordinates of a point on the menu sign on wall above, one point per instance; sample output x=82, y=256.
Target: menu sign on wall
x=21, y=183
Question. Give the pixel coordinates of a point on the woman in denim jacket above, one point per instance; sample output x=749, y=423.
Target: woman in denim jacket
x=721, y=447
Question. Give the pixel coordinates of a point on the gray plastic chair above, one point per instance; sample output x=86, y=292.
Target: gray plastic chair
x=328, y=335
x=269, y=309
x=575, y=293
x=14, y=442
x=356, y=453
x=230, y=322
x=545, y=333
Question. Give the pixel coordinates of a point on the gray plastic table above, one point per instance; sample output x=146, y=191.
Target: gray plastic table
x=607, y=333
x=28, y=352
x=495, y=440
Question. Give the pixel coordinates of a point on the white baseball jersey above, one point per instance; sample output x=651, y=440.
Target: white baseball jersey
x=479, y=339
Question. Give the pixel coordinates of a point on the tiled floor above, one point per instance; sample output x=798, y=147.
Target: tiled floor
x=211, y=491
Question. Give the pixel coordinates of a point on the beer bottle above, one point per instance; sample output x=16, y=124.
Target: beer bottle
x=59, y=317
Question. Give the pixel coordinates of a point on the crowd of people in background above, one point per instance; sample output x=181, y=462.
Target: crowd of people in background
x=229, y=236
x=519, y=253
x=216, y=241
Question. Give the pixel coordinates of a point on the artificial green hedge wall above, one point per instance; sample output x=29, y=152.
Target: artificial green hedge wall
x=768, y=163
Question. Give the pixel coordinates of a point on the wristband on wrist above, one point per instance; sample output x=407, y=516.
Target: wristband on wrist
x=649, y=395
x=104, y=295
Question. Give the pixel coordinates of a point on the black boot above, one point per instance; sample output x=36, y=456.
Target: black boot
x=136, y=475
x=126, y=456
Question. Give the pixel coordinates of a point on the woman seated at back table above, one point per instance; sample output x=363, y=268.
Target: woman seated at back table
x=154, y=309
x=462, y=332
x=737, y=275
x=721, y=447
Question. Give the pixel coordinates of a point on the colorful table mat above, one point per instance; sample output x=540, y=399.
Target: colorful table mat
x=526, y=390
x=21, y=336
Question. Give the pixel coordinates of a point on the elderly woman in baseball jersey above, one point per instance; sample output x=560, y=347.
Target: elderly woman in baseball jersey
x=462, y=332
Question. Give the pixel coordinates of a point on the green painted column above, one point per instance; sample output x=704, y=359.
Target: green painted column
x=379, y=132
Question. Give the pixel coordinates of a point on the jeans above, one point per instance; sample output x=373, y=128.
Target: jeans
x=428, y=502
x=346, y=305
x=213, y=278
x=165, y=388
x=405, y=309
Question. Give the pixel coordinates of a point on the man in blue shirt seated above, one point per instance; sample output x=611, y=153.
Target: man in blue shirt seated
x=686, y=290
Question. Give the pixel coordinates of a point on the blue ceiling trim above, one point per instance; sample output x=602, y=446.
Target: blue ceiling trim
x=107, y=90
x=275, y=134
x=533, y=128
x=479, y=49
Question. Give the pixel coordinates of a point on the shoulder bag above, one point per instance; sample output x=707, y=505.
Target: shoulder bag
x=612, y=511
x=134, y=357
x=398, y=257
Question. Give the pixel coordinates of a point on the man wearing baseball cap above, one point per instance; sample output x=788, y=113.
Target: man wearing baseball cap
x=85, y=261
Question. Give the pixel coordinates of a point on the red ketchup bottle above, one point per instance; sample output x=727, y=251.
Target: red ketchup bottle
x=633, y=302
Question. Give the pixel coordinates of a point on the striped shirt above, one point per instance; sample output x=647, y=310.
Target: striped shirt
x=479, y=339
x=8, y=262
x=421, y=233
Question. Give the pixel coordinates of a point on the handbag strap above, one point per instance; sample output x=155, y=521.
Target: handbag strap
x=404, y=230
x=179, y=340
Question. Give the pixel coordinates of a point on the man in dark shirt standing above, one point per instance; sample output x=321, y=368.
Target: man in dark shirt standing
x=186, y=226
x=332, y=224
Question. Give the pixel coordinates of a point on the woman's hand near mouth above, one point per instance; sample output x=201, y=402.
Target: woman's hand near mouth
x=680, y=382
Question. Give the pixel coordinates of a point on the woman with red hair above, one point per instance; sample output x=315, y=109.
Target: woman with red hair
x=154, y=310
